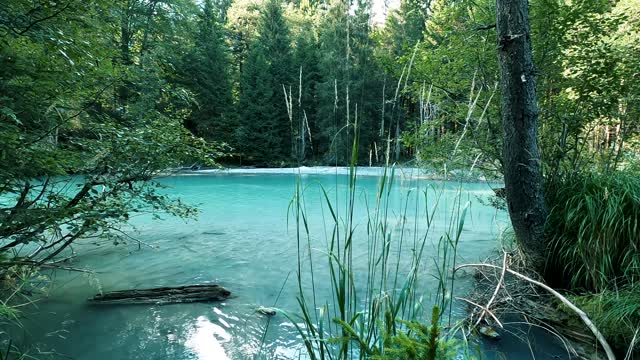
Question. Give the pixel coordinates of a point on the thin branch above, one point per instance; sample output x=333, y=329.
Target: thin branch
x=485, y=27
x=61, y=248
x=583, y=316
x=484, y=309
x=53, y=265
x=41, y=20
x=495, y=293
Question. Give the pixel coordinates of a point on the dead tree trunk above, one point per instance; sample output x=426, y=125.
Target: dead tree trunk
x=164, y=295
x=522, y=168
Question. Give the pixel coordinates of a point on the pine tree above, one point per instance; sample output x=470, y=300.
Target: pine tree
x=267, y=72
x=332, y=89
x=405, y=26
x=366, y=84
x=257, y=133
x=206, y=72
x=273, y=36
x=350, y=87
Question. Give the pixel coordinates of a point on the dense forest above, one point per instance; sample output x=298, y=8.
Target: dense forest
x=276, y=83
x=98, y=98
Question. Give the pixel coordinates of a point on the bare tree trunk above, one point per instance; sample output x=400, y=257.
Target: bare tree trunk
x=522, y=168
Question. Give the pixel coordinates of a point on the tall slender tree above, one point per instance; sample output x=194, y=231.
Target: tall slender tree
x=205, y=71
x=266, y=75
x=305, y=101
x=522, y=168
x=333, y=63
x=256, y=135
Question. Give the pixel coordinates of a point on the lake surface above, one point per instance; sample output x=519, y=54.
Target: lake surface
x=244, y=240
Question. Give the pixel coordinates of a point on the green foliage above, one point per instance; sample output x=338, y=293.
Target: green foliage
x=586, y=97
x=421, y=341
x=584, y=52
x=616, y=313
x=205, y=72
x=592, y=230
x=86, y=124
x=452, y=81
x=266, y=129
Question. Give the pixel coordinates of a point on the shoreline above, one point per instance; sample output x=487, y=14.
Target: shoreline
x=374, y=171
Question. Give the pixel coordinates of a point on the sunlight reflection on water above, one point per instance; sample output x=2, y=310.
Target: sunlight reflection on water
x=206, y=340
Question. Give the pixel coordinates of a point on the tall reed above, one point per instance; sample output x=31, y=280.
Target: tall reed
x=362, y=317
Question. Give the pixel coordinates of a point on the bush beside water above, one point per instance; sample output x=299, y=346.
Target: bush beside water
x=594, y=244
x=593, y=230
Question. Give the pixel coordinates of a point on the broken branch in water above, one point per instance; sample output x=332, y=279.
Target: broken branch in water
x=484, y=309
x=495, y=293
x=583, y=316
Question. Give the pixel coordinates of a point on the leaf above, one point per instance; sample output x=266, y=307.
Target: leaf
x=10, y=114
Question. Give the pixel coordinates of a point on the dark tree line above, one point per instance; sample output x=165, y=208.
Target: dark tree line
x=293, y=83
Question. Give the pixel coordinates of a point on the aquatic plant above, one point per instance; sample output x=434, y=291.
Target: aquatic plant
x=19, y=285
x=384, y=316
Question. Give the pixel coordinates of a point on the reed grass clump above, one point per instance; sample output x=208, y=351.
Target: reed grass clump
x=19, y=287
x=593, y=230
x=381, y=313
x=617, y=314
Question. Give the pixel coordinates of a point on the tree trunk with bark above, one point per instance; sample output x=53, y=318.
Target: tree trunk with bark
x=522, y=168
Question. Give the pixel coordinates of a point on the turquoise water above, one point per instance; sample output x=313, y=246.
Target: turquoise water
x=245, y=241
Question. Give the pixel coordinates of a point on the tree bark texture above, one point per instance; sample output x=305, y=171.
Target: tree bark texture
x=522, y=168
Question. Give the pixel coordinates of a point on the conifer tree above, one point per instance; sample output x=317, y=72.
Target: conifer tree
x=351, y=82
x=267, y=72
x=332, y=89
x=257, y=134
x=205, y=72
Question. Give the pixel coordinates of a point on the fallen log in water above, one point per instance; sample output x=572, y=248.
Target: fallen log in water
x=164, y=295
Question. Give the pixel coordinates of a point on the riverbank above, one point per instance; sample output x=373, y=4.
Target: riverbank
x=508, y=295
x=369, y=171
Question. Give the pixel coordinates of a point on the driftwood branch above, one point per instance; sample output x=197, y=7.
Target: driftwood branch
x=484, y=309
x=495, y=293
x=583, y=316
x=164, y=295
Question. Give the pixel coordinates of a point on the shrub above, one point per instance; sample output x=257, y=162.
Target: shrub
x=593, y=230
x=615, y=313
x=421, y=341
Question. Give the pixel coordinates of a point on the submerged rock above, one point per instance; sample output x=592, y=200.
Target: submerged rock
x=266, y=311
x=489, y=332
